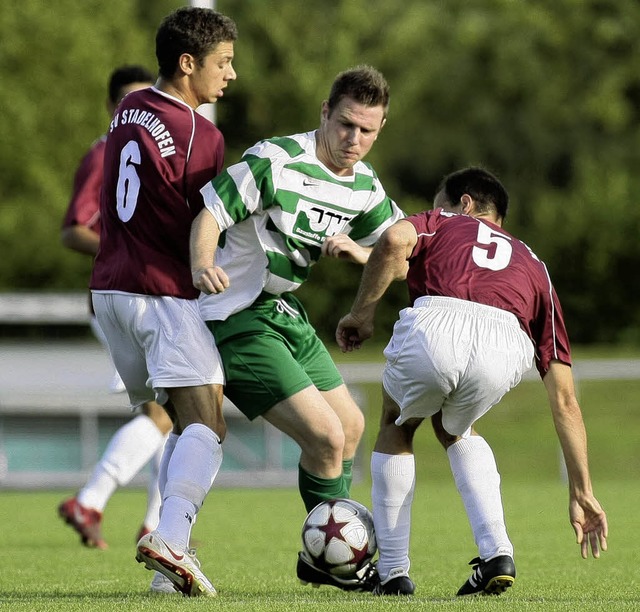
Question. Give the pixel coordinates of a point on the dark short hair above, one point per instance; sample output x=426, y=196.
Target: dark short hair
x=191, y=30
x=125, y=75
x=480, y=184
x=364, y=84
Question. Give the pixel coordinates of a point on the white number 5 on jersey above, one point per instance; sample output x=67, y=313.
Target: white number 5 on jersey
x=128, y=181
x=494, y=251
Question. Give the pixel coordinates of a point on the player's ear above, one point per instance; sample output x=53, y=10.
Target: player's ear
x=466, y=203
x=324, y=111
x=186, y=63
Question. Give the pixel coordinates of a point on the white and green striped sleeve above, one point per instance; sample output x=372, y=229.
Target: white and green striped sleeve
x=241, y=190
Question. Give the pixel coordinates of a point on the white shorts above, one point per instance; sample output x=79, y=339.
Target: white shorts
x=456, y=356
x=157, y=342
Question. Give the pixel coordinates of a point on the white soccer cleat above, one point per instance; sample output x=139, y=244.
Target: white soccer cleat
x=161, y=585
x=180, y=567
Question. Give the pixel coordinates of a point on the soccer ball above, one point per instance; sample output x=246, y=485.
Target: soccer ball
x=338, y=535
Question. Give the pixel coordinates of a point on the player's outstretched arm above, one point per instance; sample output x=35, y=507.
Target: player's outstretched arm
x=387, y=262
x=341, y=246
x=205, y=234
x=588, y=519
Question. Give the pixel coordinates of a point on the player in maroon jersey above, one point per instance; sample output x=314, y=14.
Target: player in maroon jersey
x=159, y=154
x=142, y=438
x=482, y=309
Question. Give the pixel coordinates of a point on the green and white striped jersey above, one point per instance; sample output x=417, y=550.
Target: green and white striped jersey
x=275, y=208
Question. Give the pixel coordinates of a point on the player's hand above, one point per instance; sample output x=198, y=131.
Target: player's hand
x=342, y=247
x=589, y=521
x=210, y=280
x=352, y=332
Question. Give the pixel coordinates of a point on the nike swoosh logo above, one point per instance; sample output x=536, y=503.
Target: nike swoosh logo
x=309, y=183
x=176, y=557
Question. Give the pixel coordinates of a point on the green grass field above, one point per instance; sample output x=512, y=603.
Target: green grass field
x=248, y=539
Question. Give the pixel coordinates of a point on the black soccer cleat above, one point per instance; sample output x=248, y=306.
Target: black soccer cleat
x=491, y=577
x=401, y=585
x=364, y=580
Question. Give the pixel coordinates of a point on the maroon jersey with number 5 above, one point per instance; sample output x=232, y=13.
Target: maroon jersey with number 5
x=472, y=259
x=159, y=154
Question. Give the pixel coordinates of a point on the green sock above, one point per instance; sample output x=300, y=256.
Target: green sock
x=347, y=474
x=314, y=489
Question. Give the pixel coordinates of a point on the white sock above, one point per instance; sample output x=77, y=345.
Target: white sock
x=478, y=482
x=153, y=491
x=393, y=480
x=128, y=451
x=98, y=489
x=191, y=471
x=169, y=447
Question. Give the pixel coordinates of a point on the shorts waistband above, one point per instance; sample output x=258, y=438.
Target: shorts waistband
x=265, y=296
x=467, y=307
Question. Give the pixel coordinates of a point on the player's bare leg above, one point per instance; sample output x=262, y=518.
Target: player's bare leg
x=308, y=419
x=353, y=423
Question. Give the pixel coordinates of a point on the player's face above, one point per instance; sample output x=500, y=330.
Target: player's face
x=211, y=76
x=347, y=134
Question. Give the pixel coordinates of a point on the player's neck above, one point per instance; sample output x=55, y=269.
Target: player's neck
x=492, y=218
x=175, y=90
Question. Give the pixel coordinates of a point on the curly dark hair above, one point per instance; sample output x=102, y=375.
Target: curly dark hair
x=191, y=30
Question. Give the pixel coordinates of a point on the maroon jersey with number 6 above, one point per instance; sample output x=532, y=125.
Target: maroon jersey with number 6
x=472, y=259
x=159, y=154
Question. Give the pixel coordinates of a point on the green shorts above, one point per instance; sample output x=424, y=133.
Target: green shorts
x=269, y=352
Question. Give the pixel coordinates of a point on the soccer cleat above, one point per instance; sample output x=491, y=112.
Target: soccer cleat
x=85, y=521
x=400, y=585
x=489, y=577
x=308, y=573
x=180, y=567
x=161, y=585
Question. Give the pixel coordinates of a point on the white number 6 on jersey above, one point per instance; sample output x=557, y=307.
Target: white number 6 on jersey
x=486, y=257
x=128, y=181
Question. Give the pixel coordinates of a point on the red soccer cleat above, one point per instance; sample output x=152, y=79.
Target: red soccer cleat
x=85, y=521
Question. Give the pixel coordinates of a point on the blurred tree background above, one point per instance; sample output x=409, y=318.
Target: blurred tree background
x=544, y=93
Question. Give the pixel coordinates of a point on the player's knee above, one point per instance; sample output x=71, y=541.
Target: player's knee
x=354, y=427
x=328, y=445
x=444, y=437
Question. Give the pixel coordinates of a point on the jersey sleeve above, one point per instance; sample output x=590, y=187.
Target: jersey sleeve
x=550, y=333
x=380, y=213
x=425, y=224
x=84, y=206
x=244, y=188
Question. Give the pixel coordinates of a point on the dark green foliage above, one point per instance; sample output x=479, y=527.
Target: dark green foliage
x=546, y=94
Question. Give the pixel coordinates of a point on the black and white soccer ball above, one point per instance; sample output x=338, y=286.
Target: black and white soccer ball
x=338, y=536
